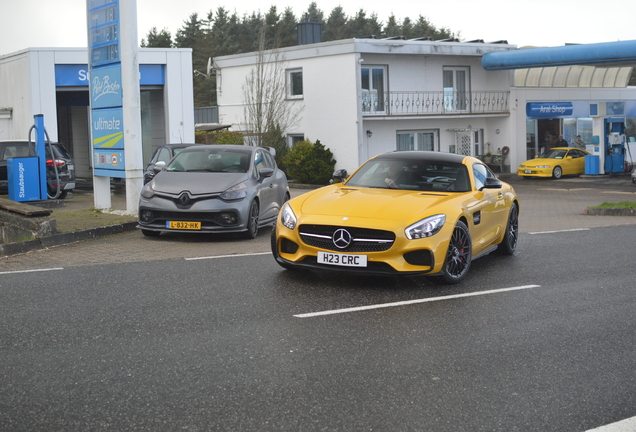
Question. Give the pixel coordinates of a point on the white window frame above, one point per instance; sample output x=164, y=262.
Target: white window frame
x=290, y=83
x=373, y=97
x=292, y=139
x=456, y=93
x=415, y=138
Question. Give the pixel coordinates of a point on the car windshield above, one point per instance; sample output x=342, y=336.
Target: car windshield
x=210, y=160
x=554, y=154
x=412, y=174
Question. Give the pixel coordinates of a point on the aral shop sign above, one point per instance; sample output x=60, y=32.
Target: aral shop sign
x=549, y=109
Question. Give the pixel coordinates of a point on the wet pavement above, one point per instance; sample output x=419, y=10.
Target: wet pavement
x=546, y=205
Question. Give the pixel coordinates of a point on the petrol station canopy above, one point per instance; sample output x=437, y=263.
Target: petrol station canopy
x=608, y=64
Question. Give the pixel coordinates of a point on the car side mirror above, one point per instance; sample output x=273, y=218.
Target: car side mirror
x=569, y=157
x=158, y=166
x=339, y=176
x=492, y=183
x=266, y=172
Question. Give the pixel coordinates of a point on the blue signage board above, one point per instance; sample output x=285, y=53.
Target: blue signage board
x=106, y=87
x=107, y=127
x=549, y=109
x=103, y=32
x=76, y=75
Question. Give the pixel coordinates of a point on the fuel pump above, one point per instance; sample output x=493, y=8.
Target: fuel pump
x=615, y=145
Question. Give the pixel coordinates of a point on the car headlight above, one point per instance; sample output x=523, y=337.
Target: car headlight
x=542, y=166
x=522, y=166
x=287, y=217
x=236, y=192
x=147, y=191
x=426, y=227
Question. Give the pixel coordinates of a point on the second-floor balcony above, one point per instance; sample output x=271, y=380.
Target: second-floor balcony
x=434, y=103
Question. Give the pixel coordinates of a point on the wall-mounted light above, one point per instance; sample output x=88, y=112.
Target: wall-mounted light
x=369, y=133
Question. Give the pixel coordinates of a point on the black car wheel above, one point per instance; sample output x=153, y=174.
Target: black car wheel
x=557, y=173
x=252, y=221
x=459, y=255
x=149, y=233
x=509, y=243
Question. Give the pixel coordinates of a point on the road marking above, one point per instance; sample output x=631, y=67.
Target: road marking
x=228, y=256
x=410, y=302
x=31, y=271
x=627, y=425
x=559, y=231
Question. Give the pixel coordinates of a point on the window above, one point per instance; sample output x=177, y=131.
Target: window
x=480, y=172
x=295, y=83
x=292, y=139
x=417, y=140
x=373, y=89
x=456, y=88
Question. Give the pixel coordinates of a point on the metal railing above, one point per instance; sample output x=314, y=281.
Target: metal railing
x=435, y=103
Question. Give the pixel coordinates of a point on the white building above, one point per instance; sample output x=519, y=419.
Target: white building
x=362, y=97
x=54, y=82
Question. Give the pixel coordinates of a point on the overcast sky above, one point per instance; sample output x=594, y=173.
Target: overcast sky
x=62, y=23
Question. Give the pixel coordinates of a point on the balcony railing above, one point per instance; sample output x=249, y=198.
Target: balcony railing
x=435, y=103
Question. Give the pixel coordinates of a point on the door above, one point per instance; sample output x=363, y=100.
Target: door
x=268, y=190
x=373, y=89
x=489, y=213
x=456, y=89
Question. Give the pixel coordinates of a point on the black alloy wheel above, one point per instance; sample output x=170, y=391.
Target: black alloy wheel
x=509, y=243
x=252, y=221
x=459, y=255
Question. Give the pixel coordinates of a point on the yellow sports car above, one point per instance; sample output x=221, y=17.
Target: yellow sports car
x=556, y=162
x=404, y=212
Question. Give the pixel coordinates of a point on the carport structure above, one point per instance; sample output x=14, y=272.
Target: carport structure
x=571, y=90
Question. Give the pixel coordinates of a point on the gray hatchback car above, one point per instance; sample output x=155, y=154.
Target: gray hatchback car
x=214, y=188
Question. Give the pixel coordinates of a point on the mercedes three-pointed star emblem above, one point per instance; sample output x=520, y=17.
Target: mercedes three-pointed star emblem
x=341, y=238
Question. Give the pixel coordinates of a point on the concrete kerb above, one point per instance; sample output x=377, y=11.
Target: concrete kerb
x=65, y=238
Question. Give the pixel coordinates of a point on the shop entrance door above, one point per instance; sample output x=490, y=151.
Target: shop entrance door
x=548, y=131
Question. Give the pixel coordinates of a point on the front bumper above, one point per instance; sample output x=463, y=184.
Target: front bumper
x=215, y=215
x=403, y=257
x=534, y=172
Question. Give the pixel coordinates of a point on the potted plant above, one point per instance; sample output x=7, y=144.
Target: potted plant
x=488, y=156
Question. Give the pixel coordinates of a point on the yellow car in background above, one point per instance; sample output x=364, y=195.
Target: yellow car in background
x=556, y=163
x=404, y=212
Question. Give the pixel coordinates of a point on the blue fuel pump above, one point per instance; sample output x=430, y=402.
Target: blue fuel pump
x=615, y=145
x=27, y=175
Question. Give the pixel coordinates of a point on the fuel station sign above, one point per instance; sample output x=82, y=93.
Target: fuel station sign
x=105, y=84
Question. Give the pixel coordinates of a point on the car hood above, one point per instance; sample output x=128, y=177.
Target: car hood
x=197, y=183
x=385, y=204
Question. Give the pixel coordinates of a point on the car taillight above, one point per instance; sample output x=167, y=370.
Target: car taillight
x=58, y=162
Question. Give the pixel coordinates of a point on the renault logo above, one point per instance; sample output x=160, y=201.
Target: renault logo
x=184, y=199
x=341, y=238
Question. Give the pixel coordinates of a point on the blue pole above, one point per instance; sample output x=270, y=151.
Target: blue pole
x=40, y=152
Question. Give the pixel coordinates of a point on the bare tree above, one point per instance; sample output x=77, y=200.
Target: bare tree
x=264, y=92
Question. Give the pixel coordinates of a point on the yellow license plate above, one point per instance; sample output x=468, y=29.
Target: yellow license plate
x=183, y=225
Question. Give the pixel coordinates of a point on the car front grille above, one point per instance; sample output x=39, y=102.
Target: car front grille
x=362, y=239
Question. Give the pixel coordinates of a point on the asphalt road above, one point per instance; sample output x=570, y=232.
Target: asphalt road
x=129, y=333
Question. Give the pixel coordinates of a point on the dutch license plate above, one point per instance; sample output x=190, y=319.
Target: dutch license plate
x=183, y=225
x=346, y=260
x=528, y=171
